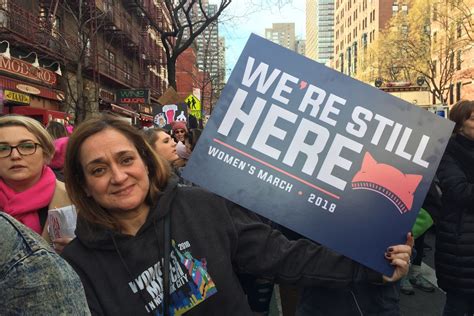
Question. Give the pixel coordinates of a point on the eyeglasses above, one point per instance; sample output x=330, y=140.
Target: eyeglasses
x=24, y=149
x=180, y=131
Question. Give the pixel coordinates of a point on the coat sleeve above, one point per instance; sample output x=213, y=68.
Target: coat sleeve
x=261, y=250
x=454, y=182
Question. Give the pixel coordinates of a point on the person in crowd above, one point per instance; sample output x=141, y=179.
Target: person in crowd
x=185, y=149
x=60, y=137
x=35, y=280
x=145, y=245
x=180, y=131
x=56, y=130
x=426, y=217
x=28, y=187
x=162, y=143
x=180, y=134
x=194, y=134
x=57, y=162
x=454, y=255
x=165, y=146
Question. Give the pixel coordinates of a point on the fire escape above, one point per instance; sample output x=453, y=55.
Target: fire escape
x=30, y=27
x=152, y=54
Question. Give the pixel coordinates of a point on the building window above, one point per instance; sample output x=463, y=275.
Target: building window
x=451, y=61
x=435, y=12
x=394, y=8
x=458, y=60
x=56, y=27
x=127, y=71
x=458, y=91
x=110, y=59
x=459, y=29
x=451, y=94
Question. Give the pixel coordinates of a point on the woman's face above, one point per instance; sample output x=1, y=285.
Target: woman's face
x=467, y=128
x=180, y=134
x=166, y=146
x=18, y=171
x=115, y=174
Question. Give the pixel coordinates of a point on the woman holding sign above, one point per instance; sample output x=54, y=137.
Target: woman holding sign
x=454, y=254
x=28, y=187
x=145, y=245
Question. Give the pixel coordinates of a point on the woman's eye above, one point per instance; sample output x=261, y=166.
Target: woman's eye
x=127, y=160
x=98, y=171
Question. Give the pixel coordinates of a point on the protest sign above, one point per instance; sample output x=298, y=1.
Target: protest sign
x=163, y=115
x=327, y=156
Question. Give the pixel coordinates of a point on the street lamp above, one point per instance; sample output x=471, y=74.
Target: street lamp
x=57, y=71
x=36, y=62
x=6, y=53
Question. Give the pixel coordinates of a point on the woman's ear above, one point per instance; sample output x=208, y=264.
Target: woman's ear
x=47, y=160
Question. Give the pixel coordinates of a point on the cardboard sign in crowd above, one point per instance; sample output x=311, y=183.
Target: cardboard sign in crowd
x=334, y=159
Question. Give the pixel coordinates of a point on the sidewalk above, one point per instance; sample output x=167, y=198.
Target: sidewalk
x=422, y=303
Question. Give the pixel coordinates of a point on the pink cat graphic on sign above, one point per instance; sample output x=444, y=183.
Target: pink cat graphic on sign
x=388, y=181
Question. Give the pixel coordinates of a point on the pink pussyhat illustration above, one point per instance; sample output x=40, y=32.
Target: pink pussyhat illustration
x=388, y=181
x=170, y=110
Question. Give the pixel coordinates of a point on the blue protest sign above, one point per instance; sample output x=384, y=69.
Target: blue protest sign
x=325, y=155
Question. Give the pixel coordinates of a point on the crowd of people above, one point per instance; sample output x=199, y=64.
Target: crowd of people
x=149, y=242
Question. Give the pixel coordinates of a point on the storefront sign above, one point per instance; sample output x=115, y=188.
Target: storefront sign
x=320, y=153
x=106, y=95
x=133, y=96
x=24, y=69
x=164, y=115
x=16, y=97
x=40, y=91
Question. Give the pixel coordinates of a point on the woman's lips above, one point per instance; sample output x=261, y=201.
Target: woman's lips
x=124, y=191
x=16, y=167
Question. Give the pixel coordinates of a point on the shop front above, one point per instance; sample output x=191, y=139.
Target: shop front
x=29, y=90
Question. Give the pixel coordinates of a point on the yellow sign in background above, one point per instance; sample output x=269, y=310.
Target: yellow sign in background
x=194, y=106
x=16, y=97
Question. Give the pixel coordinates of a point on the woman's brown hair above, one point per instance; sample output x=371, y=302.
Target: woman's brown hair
x=89, y=209
x=460, y=112
x=151, y=134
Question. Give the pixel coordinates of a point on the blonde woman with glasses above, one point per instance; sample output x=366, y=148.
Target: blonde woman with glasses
x=28, y=187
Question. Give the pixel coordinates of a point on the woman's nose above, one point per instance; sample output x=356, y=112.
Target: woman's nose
x=118, y=175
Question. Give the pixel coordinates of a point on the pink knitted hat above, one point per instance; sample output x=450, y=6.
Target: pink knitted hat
x=60, y=146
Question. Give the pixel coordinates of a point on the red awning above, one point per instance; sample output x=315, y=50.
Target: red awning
x=146, y=117
x=33, y=89
x=47, y=115
x=119, y=109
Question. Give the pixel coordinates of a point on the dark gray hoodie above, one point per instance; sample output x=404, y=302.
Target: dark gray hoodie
x=211, y=239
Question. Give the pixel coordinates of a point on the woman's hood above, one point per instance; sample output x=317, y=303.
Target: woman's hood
x=99, y=237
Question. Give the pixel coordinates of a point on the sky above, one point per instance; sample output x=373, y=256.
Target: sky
x=244, y=17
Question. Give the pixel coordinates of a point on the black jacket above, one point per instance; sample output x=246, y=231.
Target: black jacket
x=454, y=255
x=211, y=236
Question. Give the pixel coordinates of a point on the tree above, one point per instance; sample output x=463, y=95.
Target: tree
x=187, y=20
x=422, y=41
x=73, y=40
